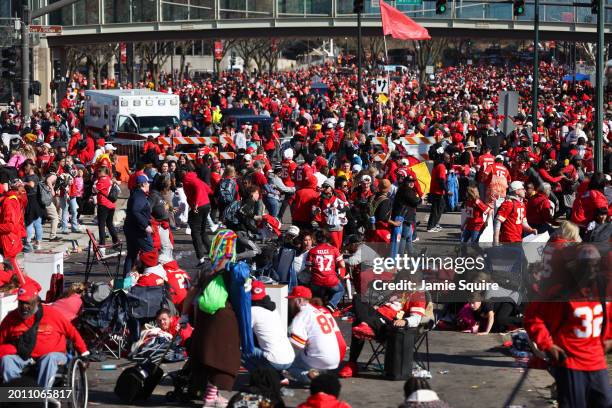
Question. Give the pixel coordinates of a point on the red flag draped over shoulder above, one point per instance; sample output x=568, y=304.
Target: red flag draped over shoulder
x=399, y=25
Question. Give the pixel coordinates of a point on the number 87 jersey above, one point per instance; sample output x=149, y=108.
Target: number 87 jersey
x=575, y=326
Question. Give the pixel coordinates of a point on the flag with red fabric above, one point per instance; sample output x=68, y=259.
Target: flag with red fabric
x=399, y=25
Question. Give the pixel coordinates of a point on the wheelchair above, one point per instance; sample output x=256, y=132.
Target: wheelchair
x=72, y=375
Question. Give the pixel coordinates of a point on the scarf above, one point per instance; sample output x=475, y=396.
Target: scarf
x=266, y=303
x=27, y=341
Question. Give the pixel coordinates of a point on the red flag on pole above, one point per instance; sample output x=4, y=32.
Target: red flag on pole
x=399, y=25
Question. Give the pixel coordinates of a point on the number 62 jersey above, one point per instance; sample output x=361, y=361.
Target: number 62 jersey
x=575, y=326
x=315, y=331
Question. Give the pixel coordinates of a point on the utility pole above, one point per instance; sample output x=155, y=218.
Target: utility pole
x=359, y=62
x=599, y=85
x=25, y=59
x=536, y=65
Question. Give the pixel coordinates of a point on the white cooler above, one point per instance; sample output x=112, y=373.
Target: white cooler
x=41, y=265
x=278, y=294
x=8, y=303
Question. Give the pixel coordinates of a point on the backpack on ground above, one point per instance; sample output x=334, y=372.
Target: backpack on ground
x=230, y=215
x=44, y=194
x=226, y=193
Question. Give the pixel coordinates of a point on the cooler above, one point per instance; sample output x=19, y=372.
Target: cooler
x=8, y=303
x=40, y=265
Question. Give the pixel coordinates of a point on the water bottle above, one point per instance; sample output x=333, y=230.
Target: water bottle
x=108, y=367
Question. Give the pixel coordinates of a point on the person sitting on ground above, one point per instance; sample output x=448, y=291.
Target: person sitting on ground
x=373, y=321
x=36, y=333
x=324, y=393
x=315, y=335
x=274, y=347
x=70, y=303
x=418, y=394
x=173, y=325
x=151, y=273
x=494, y=316
x=326, y=263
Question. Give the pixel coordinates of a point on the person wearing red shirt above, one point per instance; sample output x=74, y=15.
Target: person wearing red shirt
x=106, y=208
x=132, y=179
x=511, y=218
x=173, y=325
x=539, y=210
x=74, y=141
x=497, y=179
x=303, y=172
x=571, y=330
x=588, y=199
x=12, y=225
x=326, y=263
x=38, y=332
x=437, y=191
x=258, y=178
x=179, y=282
x=197, y=193
x=305, y=200
x=289, y=167
x=475, y=210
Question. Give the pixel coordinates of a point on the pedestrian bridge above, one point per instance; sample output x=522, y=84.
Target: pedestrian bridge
x=91, y=21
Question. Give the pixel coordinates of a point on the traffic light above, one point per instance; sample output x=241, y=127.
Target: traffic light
x=519, y=7
x=358, y=6
x=57, y=70
x=35, y=88
x=594, y=6
x=9, y=61
x=440, y=6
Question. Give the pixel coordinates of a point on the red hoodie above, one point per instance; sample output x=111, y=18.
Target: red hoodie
x=305, y=199
x=323, y=400
x=196, y=190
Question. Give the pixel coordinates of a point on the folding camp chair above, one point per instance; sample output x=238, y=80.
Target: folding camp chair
x=95, y=256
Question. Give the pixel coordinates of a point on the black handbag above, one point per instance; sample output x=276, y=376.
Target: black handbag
x=399, y=352
x=137, y=383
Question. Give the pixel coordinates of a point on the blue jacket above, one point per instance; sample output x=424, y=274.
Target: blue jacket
x=138, y=214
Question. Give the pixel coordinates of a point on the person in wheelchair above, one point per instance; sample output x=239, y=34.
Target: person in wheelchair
x=401, y=310
x=36, y=334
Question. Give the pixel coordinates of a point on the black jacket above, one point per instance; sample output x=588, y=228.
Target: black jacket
x=159, y=210
x=405, y=203
x=138, y=214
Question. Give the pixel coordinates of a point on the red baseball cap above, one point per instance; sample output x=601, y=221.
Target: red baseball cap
x=300, y=292
x=149, y=259
x=28, y=291
x=258, y=290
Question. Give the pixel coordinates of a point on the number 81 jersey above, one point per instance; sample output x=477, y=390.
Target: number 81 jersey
x=575, y=326
x=315, y=330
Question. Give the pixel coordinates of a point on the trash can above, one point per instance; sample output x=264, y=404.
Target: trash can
x=41, y=265
x=399, y=352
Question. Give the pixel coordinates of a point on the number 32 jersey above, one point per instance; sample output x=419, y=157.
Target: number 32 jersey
x=575, y=326
x=315, y=330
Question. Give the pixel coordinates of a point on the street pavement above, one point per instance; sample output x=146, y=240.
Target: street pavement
x=467, y=370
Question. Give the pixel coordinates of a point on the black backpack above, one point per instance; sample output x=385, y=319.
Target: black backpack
x=113, y=193
x=230, y=215
x=226, y=193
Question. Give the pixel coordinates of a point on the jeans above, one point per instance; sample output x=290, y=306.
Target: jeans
x=258, y=360
x=69, y=207
x=105, y=220
x=469, y=237
x=35, y=230
x=299, y=369
x=404, y=243
x=135, y=244
x=197, y=222
x=334, y=293
x=273, y=206
x=12, y=366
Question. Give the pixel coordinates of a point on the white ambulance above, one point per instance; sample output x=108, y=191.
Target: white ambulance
x=131, y=114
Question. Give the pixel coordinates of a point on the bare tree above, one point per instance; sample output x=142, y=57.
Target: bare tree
x=74, y=59
x=428, y=52
x=152, y=56
x=97, y=56
x=247, y=50
x=588, y=51
x=373, y=47
x=185, y=45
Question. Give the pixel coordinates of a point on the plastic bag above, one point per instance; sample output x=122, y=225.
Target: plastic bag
x=214, y=296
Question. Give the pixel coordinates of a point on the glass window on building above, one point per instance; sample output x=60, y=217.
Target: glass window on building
x=116, y=11
x=259, y=8
x=233, y=9
x=143, y=10
x=201, y=10
x=62, y=16
x=86, y=12
x=176, y=11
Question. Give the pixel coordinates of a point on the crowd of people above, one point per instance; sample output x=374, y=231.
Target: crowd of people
x=333, y=170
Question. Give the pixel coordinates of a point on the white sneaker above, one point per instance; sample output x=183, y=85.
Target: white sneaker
x=188, y=231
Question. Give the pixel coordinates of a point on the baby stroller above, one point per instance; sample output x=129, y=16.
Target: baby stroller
x=186, y=388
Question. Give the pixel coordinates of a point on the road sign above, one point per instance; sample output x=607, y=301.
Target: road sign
x=382, y=85
x=429, y=69
x=508, y=104
x=382, y=98
x=46, y=29
x=408, y=2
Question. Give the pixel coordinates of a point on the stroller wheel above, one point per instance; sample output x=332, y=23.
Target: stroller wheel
x=170, y=396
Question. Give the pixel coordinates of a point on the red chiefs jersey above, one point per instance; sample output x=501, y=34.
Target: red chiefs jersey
x=484, y=161
x=322, y=260
x=511, y=214
x=302, y=174
x=499, y=170
x=413, y=304
x=289, y=167
x=475, y=211
x=179, y=282
x=575, y=326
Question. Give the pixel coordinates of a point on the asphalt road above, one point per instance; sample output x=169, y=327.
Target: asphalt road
x=467, y=370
